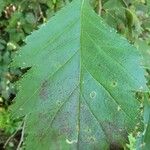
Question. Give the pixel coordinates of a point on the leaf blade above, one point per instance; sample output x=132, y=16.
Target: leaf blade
x=81, y=73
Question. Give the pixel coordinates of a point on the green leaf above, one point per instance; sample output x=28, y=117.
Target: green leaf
x=146, y=143
x=145, y=49
x=79, y=92
x=114, y=12
x=143, y=142
x=2, y=5
x=30, y=18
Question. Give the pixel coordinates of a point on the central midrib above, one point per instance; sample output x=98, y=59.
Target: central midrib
x=80, y=74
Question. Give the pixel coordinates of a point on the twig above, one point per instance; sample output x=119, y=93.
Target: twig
x=125, y=4
x=99, y=7
x=22, y=135
x=8, y=140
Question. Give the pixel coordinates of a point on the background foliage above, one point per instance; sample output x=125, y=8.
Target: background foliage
x=18, y=19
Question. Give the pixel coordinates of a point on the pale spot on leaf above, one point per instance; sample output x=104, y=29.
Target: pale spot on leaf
x=142, y=145
x=118, y=108
x=93, y=94
x=71, y=141
x=20, y=109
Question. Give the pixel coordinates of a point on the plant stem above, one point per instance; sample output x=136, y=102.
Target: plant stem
x=99, y=7
x=22, y=135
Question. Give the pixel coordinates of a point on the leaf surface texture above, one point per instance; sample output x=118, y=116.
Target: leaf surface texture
x=79, y=92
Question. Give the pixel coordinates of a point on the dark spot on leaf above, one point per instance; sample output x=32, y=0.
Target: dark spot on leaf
x=41, y=135
x=43, y=116
x=114, y=83
x=44, y=90
x=114, y=133
x=99, y=65
x=66, y=130
x=116, y=146
x=92, y=139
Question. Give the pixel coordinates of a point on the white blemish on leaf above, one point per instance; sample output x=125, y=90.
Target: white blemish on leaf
x=141, y=88
x=71, y=141
x=24, y=63
x=93, y=94
x=20, y=109
x=118, y=108
x=142, y=145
